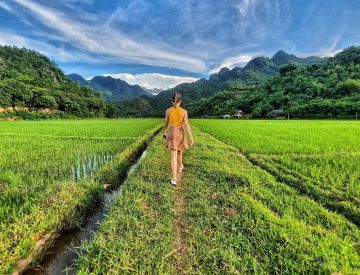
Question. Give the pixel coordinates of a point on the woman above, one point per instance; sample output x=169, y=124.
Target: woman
x=176, y=141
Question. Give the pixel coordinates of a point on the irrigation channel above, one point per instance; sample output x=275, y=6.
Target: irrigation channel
x=61, y=257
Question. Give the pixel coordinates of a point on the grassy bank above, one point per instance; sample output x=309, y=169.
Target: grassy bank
x=137, y=236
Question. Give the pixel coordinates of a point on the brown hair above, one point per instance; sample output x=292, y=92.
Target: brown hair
x=176, y=98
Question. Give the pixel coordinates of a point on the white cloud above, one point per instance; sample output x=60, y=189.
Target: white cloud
x=331, y=50
x=49, y=50
x=153, y=80
x=105, y=40
x=329, y=53
x=12, y=39
x=5, y=6
x=232, y=62
x=244, y=6
x=263, y=19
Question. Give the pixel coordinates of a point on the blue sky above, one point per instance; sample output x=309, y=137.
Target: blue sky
x=146, y=42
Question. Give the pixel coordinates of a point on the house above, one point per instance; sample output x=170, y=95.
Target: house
x=277, y=112
x=239, y=114
x=226, y=116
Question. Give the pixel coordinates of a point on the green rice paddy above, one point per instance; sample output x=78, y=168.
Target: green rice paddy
x=255, y=196
x=47, y=171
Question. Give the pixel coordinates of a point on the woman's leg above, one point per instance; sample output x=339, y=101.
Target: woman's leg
x=179, y=159
x=173, y=154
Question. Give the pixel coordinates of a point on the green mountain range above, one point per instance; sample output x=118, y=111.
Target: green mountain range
x=255, y=71
x=327, y=90
x=302, y=87
x=111, y=89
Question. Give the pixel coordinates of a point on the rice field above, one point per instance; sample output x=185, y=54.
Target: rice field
x=52, y=164
x=228, y=216
x=256, y=197
x=319, y=158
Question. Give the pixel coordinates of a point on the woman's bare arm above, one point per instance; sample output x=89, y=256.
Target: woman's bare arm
x=166, y=122
x=187, y=128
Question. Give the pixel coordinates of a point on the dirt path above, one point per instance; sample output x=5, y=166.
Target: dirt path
x=180, y=230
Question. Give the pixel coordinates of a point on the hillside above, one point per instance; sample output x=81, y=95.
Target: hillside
x=110, y=88
x=256, y=71
x=29, y=80
x=330, y=89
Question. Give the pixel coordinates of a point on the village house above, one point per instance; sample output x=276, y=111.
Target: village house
x=239, y=114
x=276, y=113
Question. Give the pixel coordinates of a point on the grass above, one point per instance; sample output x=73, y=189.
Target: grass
x=241, y=220
x=50, y=173
x=319, y=158
x=281, y=137
x=255, y=197
x=137, y=235
x=237, y=219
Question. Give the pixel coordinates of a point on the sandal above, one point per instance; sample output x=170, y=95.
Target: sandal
x=173, y=182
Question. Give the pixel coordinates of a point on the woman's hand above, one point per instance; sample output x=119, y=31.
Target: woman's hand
x=191, y=141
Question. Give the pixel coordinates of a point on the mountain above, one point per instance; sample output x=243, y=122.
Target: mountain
x=327, y=90
x=254, y=72
x=261, y=68
x=282, y=58
x=78, y=78
x=112, y=89
x=31, y=81
x=153, y=91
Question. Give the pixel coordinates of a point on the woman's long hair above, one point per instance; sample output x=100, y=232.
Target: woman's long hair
x=176, y=99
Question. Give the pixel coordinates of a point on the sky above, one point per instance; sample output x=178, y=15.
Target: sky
x=161, y=43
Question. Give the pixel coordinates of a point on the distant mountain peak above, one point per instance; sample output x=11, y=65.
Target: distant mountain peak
x=77, y=78
x=224, y=70
x=283, y=58
x=111, y=88
x=281, y=53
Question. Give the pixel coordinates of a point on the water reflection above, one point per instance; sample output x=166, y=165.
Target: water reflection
x=86, y=166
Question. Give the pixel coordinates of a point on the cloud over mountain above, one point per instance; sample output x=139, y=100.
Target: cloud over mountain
x=153, y=80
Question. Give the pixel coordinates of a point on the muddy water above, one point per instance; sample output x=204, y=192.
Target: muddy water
x=60, y=259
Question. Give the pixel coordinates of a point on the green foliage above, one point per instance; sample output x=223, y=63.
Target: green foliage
x=138, y=107
x=327, y=90
x=29, y=79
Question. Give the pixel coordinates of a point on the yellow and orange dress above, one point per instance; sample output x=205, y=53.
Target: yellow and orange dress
x=176, y=139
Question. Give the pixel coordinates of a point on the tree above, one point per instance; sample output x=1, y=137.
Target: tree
x=348, y=87
x=42, y=99
x=18, y=92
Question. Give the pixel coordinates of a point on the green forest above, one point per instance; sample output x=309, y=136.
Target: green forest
x=330, y=89
x=29, y=81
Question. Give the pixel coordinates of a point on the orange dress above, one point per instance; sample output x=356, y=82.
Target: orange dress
x=176, y=139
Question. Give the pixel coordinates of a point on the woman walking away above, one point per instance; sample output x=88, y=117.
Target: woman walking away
x=176, y=140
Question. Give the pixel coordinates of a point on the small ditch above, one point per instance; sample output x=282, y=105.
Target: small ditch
x=61, y=257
